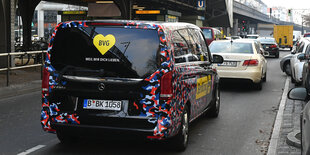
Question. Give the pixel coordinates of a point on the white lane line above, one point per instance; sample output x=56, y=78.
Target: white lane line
x=31, y=150
x=272, y=149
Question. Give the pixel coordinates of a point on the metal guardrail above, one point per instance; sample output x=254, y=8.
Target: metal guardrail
x=9, y=68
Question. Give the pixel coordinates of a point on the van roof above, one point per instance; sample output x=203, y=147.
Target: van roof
x=140, y=23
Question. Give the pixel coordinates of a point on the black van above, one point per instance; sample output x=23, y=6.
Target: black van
x=147, y=77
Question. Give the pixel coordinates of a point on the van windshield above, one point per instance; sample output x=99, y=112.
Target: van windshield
x=117, y=51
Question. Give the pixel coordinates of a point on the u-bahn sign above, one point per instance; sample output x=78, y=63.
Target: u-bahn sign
x=201, y=4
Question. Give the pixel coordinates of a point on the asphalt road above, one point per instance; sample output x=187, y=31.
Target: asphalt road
x=243, y=127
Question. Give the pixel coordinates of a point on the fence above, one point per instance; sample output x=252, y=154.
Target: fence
x=38, y=55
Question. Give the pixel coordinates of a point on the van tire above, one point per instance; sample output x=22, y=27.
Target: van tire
x=180, y=141
x=64, y=137
x=215, y=104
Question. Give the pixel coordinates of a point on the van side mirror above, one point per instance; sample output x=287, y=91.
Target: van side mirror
x=302, y=56
x=297, y=94
x=217, y=59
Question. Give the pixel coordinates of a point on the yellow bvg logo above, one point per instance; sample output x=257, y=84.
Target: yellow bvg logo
x=104, y=43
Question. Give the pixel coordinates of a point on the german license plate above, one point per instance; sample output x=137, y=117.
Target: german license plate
x=229, y=63
x=102, y=104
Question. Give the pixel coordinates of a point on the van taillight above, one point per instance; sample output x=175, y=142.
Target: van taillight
x=45, y=80
x=251, y=62
x=166, y=92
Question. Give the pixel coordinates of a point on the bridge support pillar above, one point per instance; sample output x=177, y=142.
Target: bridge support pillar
x=235, y=27
x=5, y=30
x=27, y=8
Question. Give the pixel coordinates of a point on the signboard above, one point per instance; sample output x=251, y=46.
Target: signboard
x=145, y=12
x=74, y=12
x=201, y=4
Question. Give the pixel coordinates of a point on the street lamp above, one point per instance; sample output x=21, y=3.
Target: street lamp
x=302, y=25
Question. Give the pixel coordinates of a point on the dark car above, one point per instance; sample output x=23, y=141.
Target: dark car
x=302, y=95
x=307, y=35
x=151, y=78
x=211, y=34
x=270, y=45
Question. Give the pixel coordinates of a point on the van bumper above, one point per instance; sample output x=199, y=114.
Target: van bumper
x=107, y=124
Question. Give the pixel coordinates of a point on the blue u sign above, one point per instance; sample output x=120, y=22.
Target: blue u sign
x=201, y=4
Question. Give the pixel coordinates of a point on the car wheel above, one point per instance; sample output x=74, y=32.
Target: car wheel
x=277, y=55
x=215, y=104
x=287, y=68
x=265, y=77
x=258, y=86
x=64, y=137
x=298, y=83
x=180, y=141
x=293, y=80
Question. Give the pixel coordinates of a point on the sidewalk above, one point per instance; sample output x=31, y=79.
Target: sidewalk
x=289, y=124
x=20, y=82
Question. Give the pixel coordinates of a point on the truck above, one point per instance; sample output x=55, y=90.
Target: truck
x=284, y=35
x=265, y=30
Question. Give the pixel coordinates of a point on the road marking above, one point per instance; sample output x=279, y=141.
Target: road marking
x=275, y=137
x=31, y=150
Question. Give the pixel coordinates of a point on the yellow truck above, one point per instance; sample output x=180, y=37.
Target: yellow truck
x=283, y=35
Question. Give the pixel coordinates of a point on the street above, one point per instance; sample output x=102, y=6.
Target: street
x=243, y=127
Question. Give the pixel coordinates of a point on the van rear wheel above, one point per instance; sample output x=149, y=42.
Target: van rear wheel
x=180, y=141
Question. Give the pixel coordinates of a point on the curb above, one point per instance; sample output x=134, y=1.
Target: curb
x=275, y=137
x=292, y=139
x=14, y=90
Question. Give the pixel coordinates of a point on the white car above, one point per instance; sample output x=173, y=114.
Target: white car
x=296, y=64
x=243, y=59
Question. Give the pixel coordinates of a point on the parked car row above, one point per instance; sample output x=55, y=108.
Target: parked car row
x=294, y=64
x=299, y=61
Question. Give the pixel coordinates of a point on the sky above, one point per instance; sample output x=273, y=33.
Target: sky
x=289, y=4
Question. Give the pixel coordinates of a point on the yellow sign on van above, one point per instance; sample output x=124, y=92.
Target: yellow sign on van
x=104, y=43
x=202, y=87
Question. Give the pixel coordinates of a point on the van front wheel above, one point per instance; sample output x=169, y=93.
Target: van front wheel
x=180, y=141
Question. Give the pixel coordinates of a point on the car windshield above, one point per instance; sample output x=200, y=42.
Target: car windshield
x=307, y=35
x=231, y=47
x=125, y=52
x=267, y=40
x=252, y=37
x=207, y=33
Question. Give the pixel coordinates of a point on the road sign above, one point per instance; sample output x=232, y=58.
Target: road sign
x=201, y=4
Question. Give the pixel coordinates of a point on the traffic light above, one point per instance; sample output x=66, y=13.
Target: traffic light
x=243, y=25
x=289, y=12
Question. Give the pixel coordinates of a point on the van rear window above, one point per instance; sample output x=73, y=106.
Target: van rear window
x=118, y=51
